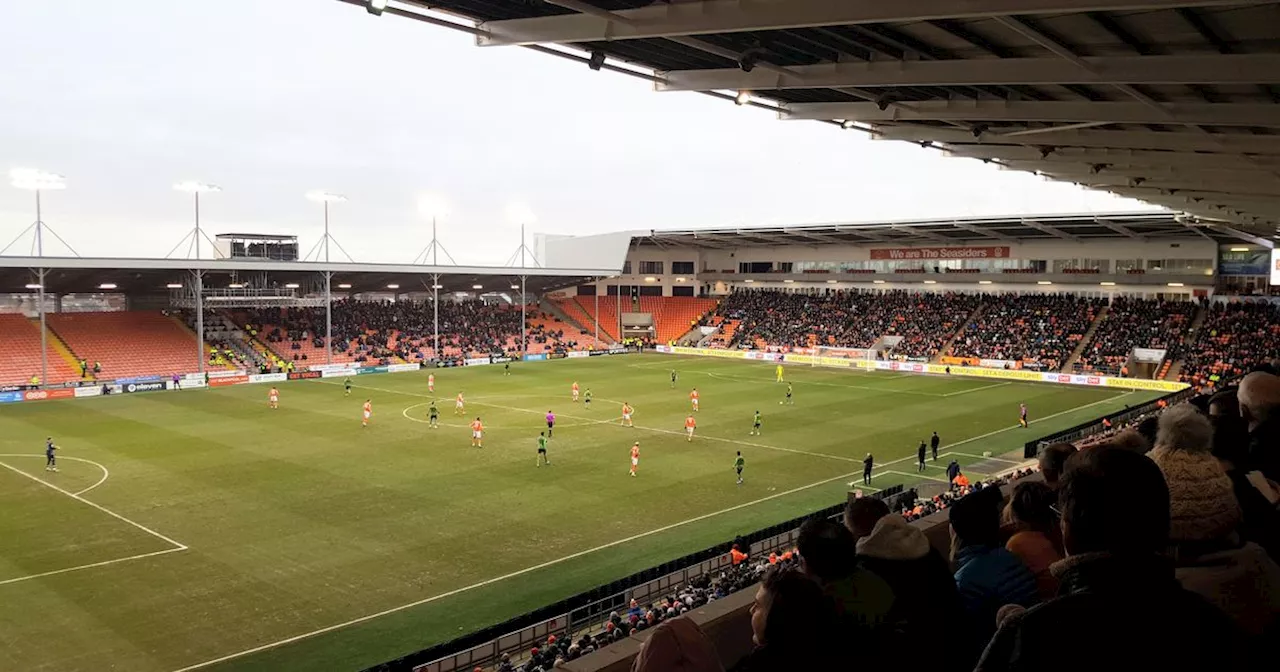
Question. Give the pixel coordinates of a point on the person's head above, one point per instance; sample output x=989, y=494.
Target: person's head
x=1032, y=506
x=1148, y=429
x=1113, y=501
x=1052, y=459
x=542, y=433
x=861, y=515
x=1182, y=427
x=975, y=518
x=827, y=551
x=739, y=453
x=1224, y=403
x=1259, y=397
x=791, y=611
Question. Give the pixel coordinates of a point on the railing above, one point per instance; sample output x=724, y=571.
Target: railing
x=588, y=611
x=1096, y=426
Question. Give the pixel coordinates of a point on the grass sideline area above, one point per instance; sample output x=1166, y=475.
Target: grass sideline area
x=202, y=530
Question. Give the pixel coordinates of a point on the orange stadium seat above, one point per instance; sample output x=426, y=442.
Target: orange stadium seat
x=673, y=316
x=20, y=355
x=128, y=343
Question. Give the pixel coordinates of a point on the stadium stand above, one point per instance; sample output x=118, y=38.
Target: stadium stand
x=1136, y=323
x=1038, y=330
x=574, y=310
x=404, y=331
x=133, y=343
x=673, y=316
x=1234, y=338
x=21, y=358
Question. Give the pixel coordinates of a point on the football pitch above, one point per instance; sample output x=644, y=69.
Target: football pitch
x=203, y=530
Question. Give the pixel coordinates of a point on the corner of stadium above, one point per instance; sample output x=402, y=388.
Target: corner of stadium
x=261, y=456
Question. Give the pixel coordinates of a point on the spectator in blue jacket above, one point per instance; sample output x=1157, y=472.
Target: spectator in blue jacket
x=987, y=575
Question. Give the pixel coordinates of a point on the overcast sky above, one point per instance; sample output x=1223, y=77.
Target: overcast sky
x=270, y=99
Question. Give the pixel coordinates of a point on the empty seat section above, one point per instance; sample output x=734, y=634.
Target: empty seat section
x=673, y=316
x=20, y=353
x=128, y=344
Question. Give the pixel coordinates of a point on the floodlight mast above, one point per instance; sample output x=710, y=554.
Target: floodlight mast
x=195, y=189
x=31, y=179
x=321, y=196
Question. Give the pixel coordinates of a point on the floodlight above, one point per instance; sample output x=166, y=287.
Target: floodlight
x=832, y=282
x=1176, y=284
x=33, y=285
x=393, y=286
x=477, y=286
x=174, y=285
x=437, y=286
x=107, y=285
x=1043, y=282
x=515, y=286
x=785, y=281
x=1239, y=249
x=1107, y=284
x=375, y=7
x=930, y=282
x=650, y=278
x=596, y=61
x=322, y=196
x=877, y=282
x=235, y=285
x=742, y=98
x=433, y=206
x=681, y=279
x=984, y=282
x=519, y=213
x=36, y=180
x=194, y=187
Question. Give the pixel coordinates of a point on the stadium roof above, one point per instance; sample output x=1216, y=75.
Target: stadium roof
x=1173, y=103
x=150, y=276
x=1088, y=227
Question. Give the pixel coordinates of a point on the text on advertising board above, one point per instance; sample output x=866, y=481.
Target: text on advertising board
x=926, y=253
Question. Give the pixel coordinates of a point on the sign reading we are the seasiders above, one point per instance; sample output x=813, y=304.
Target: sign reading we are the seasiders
x=909, y=253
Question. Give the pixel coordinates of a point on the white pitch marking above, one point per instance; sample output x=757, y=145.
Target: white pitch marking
x=579, y=554
x=976, y=389
x=510, y=575
x=109, y=512
x=105, y=473
x=916, y=475
x=96, y=564
x=983, y=457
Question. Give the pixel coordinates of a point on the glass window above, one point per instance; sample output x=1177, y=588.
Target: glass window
x=651, y=268
x=682, y=267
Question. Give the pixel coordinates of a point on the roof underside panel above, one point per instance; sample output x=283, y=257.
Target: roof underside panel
x=1095, y=92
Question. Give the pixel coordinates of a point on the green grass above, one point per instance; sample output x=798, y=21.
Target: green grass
x=297, y=520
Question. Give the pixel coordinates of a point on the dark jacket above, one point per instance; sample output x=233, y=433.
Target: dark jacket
x=1264, y=449
x=1261, y=523
x=987, y=578
x=924, y=592
x=1117, y=614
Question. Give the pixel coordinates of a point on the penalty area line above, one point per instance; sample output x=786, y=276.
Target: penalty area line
x=104, y=563
x=512, y=575
x=178, y=545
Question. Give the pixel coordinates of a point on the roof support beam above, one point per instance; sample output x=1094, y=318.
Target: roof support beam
x=1242, y=175
x=1195, y=69
x=1215, y=114
x=1058, y=233
x=735, y=16
x=1142, y=140
x=1112, y=157
x=1120, y=229
x=986, y=233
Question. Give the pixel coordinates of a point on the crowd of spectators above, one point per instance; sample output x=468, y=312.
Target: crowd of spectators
x=1160, y=541
x=1039, y=330
x=381, y=330
x=1136, y=323
x=925, y=321
x=1235, y=338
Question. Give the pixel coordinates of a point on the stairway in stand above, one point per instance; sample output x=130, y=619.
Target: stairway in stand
x=1088, y=337
x=946, y=347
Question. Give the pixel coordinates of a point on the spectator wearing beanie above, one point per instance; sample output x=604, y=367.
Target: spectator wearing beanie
x=1037, y=541
x=677, y=645
x=793, y=625
x=1259, y=398
x=924, y=592
x=987, y=575
x=1116, y=585
x=1211, y=558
